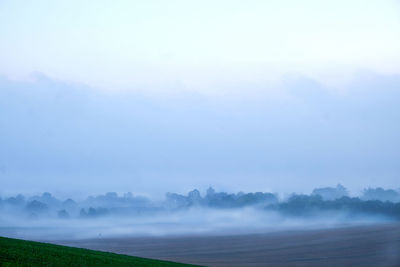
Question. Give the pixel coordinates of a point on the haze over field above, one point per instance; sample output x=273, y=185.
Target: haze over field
x=279, y=97
x=46, y=217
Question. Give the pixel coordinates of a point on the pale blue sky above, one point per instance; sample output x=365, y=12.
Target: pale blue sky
x=155, y=96
x=120, y=44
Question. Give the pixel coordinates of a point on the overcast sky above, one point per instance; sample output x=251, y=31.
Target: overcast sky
x=154, y=96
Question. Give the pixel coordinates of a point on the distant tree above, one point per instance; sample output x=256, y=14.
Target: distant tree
x=314, y=205
x=111, y=195
x=36, y=206
x=69, y=204
x=381, y=194
x=194, y=197
x=175, y=201
x=331, y=193
x=92, y=212
x=47, y=195
x=62, y=214
x=47, y=199
x=17, y=201
x=83, y=213
x=128, y=195
x=210, y=192
x=222, y=200
x=257, y=198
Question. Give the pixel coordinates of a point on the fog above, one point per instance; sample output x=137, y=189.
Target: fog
x=293, y=139
x=45, y=217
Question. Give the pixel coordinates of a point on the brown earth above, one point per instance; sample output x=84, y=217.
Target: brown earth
x=377, y=245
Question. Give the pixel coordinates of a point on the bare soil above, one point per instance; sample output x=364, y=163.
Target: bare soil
x=377, y=245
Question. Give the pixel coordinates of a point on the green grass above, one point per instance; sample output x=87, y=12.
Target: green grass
x=15, y=252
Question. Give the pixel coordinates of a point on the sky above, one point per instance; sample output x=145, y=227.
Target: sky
x=120, y=44
x=154, y=96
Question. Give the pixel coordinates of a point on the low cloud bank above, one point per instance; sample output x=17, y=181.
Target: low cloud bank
x=290, y=136
x=46, y=217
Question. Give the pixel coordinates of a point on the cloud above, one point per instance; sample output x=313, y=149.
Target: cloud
x=63, y=135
